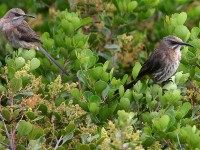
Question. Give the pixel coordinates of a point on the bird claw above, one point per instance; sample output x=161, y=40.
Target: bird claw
x=167, y=81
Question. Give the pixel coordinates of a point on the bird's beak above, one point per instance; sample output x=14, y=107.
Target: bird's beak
x=27, y=15
x=186, y=44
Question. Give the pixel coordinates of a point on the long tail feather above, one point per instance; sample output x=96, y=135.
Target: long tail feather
x=53, y=60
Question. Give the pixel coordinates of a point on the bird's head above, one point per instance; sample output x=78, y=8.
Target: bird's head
x=15, y=16
x=173, y=42
x=16, y=13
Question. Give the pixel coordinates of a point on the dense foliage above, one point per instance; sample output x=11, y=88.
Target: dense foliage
x=102, y=44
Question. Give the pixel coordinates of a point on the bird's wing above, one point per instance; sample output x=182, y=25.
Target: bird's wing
x=27, y=34
x=153, y=63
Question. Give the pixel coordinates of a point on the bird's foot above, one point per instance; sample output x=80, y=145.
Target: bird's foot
x=167, y=81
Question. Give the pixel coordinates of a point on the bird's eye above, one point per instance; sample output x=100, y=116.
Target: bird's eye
x=173, y=42
x=16, y=14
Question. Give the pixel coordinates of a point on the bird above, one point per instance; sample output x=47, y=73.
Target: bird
x=19, y=34
x=163, y=62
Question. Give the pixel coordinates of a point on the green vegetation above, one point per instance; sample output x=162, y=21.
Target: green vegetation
x=102, y=44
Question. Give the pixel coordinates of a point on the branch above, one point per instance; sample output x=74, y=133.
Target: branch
x=7, y=133
x=4, y=144
x=18, y=124
x=179, y=142
x=58, y=142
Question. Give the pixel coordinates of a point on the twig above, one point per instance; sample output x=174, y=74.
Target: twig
x=58, y=142
x=13, y=131
x=4, y=144
x=17, y=124
x=7, y=133
x=179, y=142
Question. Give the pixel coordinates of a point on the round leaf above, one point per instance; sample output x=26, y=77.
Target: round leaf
x=15, y=84
x=35, y=63
x=182, y=32
x=136, y=70
x=28, y=54
x=19, y=62
x=24, y=128
x=100, y=86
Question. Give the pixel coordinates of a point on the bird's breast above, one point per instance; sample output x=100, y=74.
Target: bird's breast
x=174, y=56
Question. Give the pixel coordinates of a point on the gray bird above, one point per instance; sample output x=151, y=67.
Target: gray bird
x=163, y=61
x=20, y=35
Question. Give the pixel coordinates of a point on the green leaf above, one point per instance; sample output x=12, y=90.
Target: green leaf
x=75, y=93
x=95, y=99
x=35, y=63
x=181, y=18
x=196, y=43
x=136, y=70
x=28, y=54
x=76, y=22
x=24, y=128
x=6, y=114
x=182, y=32
x=19, y=62
x=80, y=75
x=194, y=33
x=161, y=124
x=128, y=94
x=36, y=133
x=137, y=96
x=105, y=77
x=43, y=108
x=83, y=146
x=67, y=137
x=93, y=107
x=125, y=104
x=11, y=72
x=183, y=110
x=15, y=84
x=30, y=115
x=16, y=113
x=67, y=26
x=100, y=86
x=85, y=21
x=121, y=90
x=20, y=147
x=105, y=66
x=94, y=103
x=87, y=95
x=104, y=113
x=70, y=128
x=59, y=101
x=96, y=73
x=38, y=118
x=181, y=78
x=131, y=6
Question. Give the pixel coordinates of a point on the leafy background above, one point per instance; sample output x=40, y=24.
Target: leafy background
x=102, y=44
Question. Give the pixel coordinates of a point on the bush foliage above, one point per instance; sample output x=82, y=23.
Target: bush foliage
x=102, y=44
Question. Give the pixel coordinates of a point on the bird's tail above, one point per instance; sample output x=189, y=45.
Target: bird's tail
x=131, y=84
x=128, y=86
x=53, y=60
